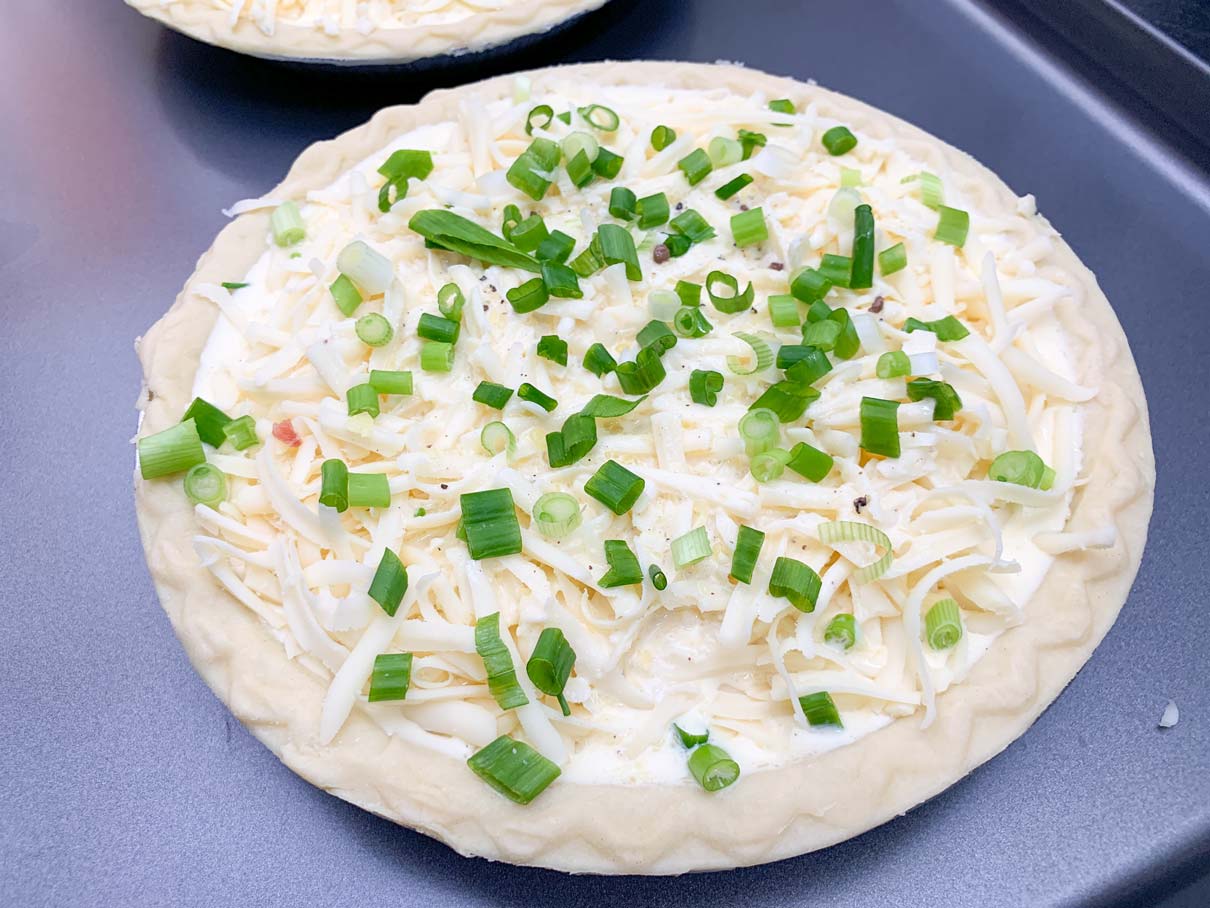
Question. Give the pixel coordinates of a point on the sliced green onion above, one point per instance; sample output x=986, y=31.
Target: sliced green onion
x=809, y=462
x=838, y=140
x=334, y=485
x=553, y=348
x=436, y=356
x=822, y=335
x=374, y=330
x=880, y=426
x=241, y=432
x=390, y=582
x=760, y=349
x=892, y=259
x=287, y=225
x=525, y=173
x=691, y=548
x=598, y=360
x=420, y=512
x=662, y=137
x=783, y=311
x=850, y=177
x=658, y=578
x=498, y=663
x=748, y=544
x=847, y=342
x=692, y=225
x=492, y=395
x=946, y=399
x=624, y=568
x=514, y=769
x=437, y=328
x=953, y=226
x=713, y=767
x=677, y=244
x=590, y=260
x=803, y=364
x=450, y=301
x=782, y=105
x=730, y=188
x=748, y=227
x=232, y=286
x=605, y=406
x=652, y=210
x=696, y=166
x=769, y=465
x=512, y=217
x=795, y=581
x=658, y=334
x=643, y=373
x=555, y=248
x=561, y=281
x=615, y=487
x=442, y=229
x=689, y=292
x=401, y=166
x=932, y=192
x=820, y=709
x=837, y=269
x=760, y=430
x=946, y=329
x=497, y=438
x=205, y=484
x=390, y=382
x=841, y=631
x=578, y=142
x=622, y=203
x=529, y=234
x=943, y=624
x=557, y=515
x=362, y=399
x=663, y=304
x=600, y=117
x=690, y=321
x=489, y=520
x=607, y=164
x=391, y=676
x=690, y=740
x=863, y=248
x=704, y=385
x=529, y=296
x=209, y=420
x=369, y=269
x=849, y=531
x=787, y=400
x=550, y=665
x=539, y=117
x=1023, y=468
x=345, y=294
x=750, y=141
x=617, y=247
x=369, y=490
x=724, y=152
x=579, y=169
x=730, y=300
x=809, y=285
x=529, y=393
x=572, y=442
x=895, y=364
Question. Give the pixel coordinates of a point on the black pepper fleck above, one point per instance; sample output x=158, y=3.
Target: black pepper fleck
x=876, y=306
x=680, y=206
x=492, y=288
x=743, y=207
x=776, y=266
x=445, y=485
x=859, y=503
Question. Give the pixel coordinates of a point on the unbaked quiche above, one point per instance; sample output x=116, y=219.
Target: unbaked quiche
x=640, y=467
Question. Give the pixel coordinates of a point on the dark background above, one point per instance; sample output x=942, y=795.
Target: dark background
x=125, y=782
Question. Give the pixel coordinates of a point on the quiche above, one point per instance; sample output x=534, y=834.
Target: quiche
x=362, y=31
x=640, y=468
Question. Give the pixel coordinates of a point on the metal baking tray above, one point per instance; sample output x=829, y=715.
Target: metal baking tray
x=127, y=783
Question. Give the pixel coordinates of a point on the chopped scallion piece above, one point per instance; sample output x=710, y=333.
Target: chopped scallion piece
x=657, y=333
x=863, y=248
x=529, y=233
x=953, y=226
x=658, y=578
x=762, y=352
x=368, y=268
x=550, y=665
x=943, y=624
x=1023, y=468
x=362, y=399
x=622, y=203
x=643, y=373
x=401, y=166
x=514, y=769
x=492, y=395
x=662, y=137
x=617, y=247
x=750, y=141
x=529, y=393
x=892, y=259
x=809, y=285
x=624, y=568
x=760, y=431
x=847, y=342
x=652, y=210
x=850, y=177
x=436, y=356
x=579, y=169
x=498, y=663
x=945, y=398
x=615, y=487
x=205, y=484
x=880, y=426
x=690, y=293
x=841, y=631
x=489, y=520
x=946, y=329
x=730, y=300
x=803, y=364
x=696, y=166
x=932, y=191
x=369, y=490
x=390, y=582
x=232, y=286
x=782, y=105
x=560, y=281
x=677, y=244
x=837, y=269
x=730, y=188
x=605, y=406
x=241, y=432
x=688, y=739
x=334, y=485
x=748, y=228
x=690, y=321
x=345, y=294
x=607, y=164
x=838, y=140
x=810, y=462
x=788, y=400
x=553, y=348
x=600, y=117
x=529, y=296
x=287, y=225
x=391, y=676
x=724, y=152
x=539, y=117
x=894, y=364
x=555, y=248
x=526, y=173
x=748, y=544
x=691, y=548
x=704, y=385
x=497, y=438
x=385, y=381
x=693, y=226
x=783, y=311
x=820, y=710
x=713, y=767
x=795, y=581
x=450, y=301
x=769, y=465
x=822, y=335
x=374, y=330
x=557, y=514
x=850, y=531
x=572, y=442
x=209, y=420
x=598, y=360
x=437, y=328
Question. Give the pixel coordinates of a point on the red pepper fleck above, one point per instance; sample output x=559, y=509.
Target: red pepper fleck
x=876, y=306
x=661, y=254
x=284, y=432
x=776, y=266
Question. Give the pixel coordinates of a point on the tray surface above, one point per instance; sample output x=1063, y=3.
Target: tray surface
x=127, y=782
